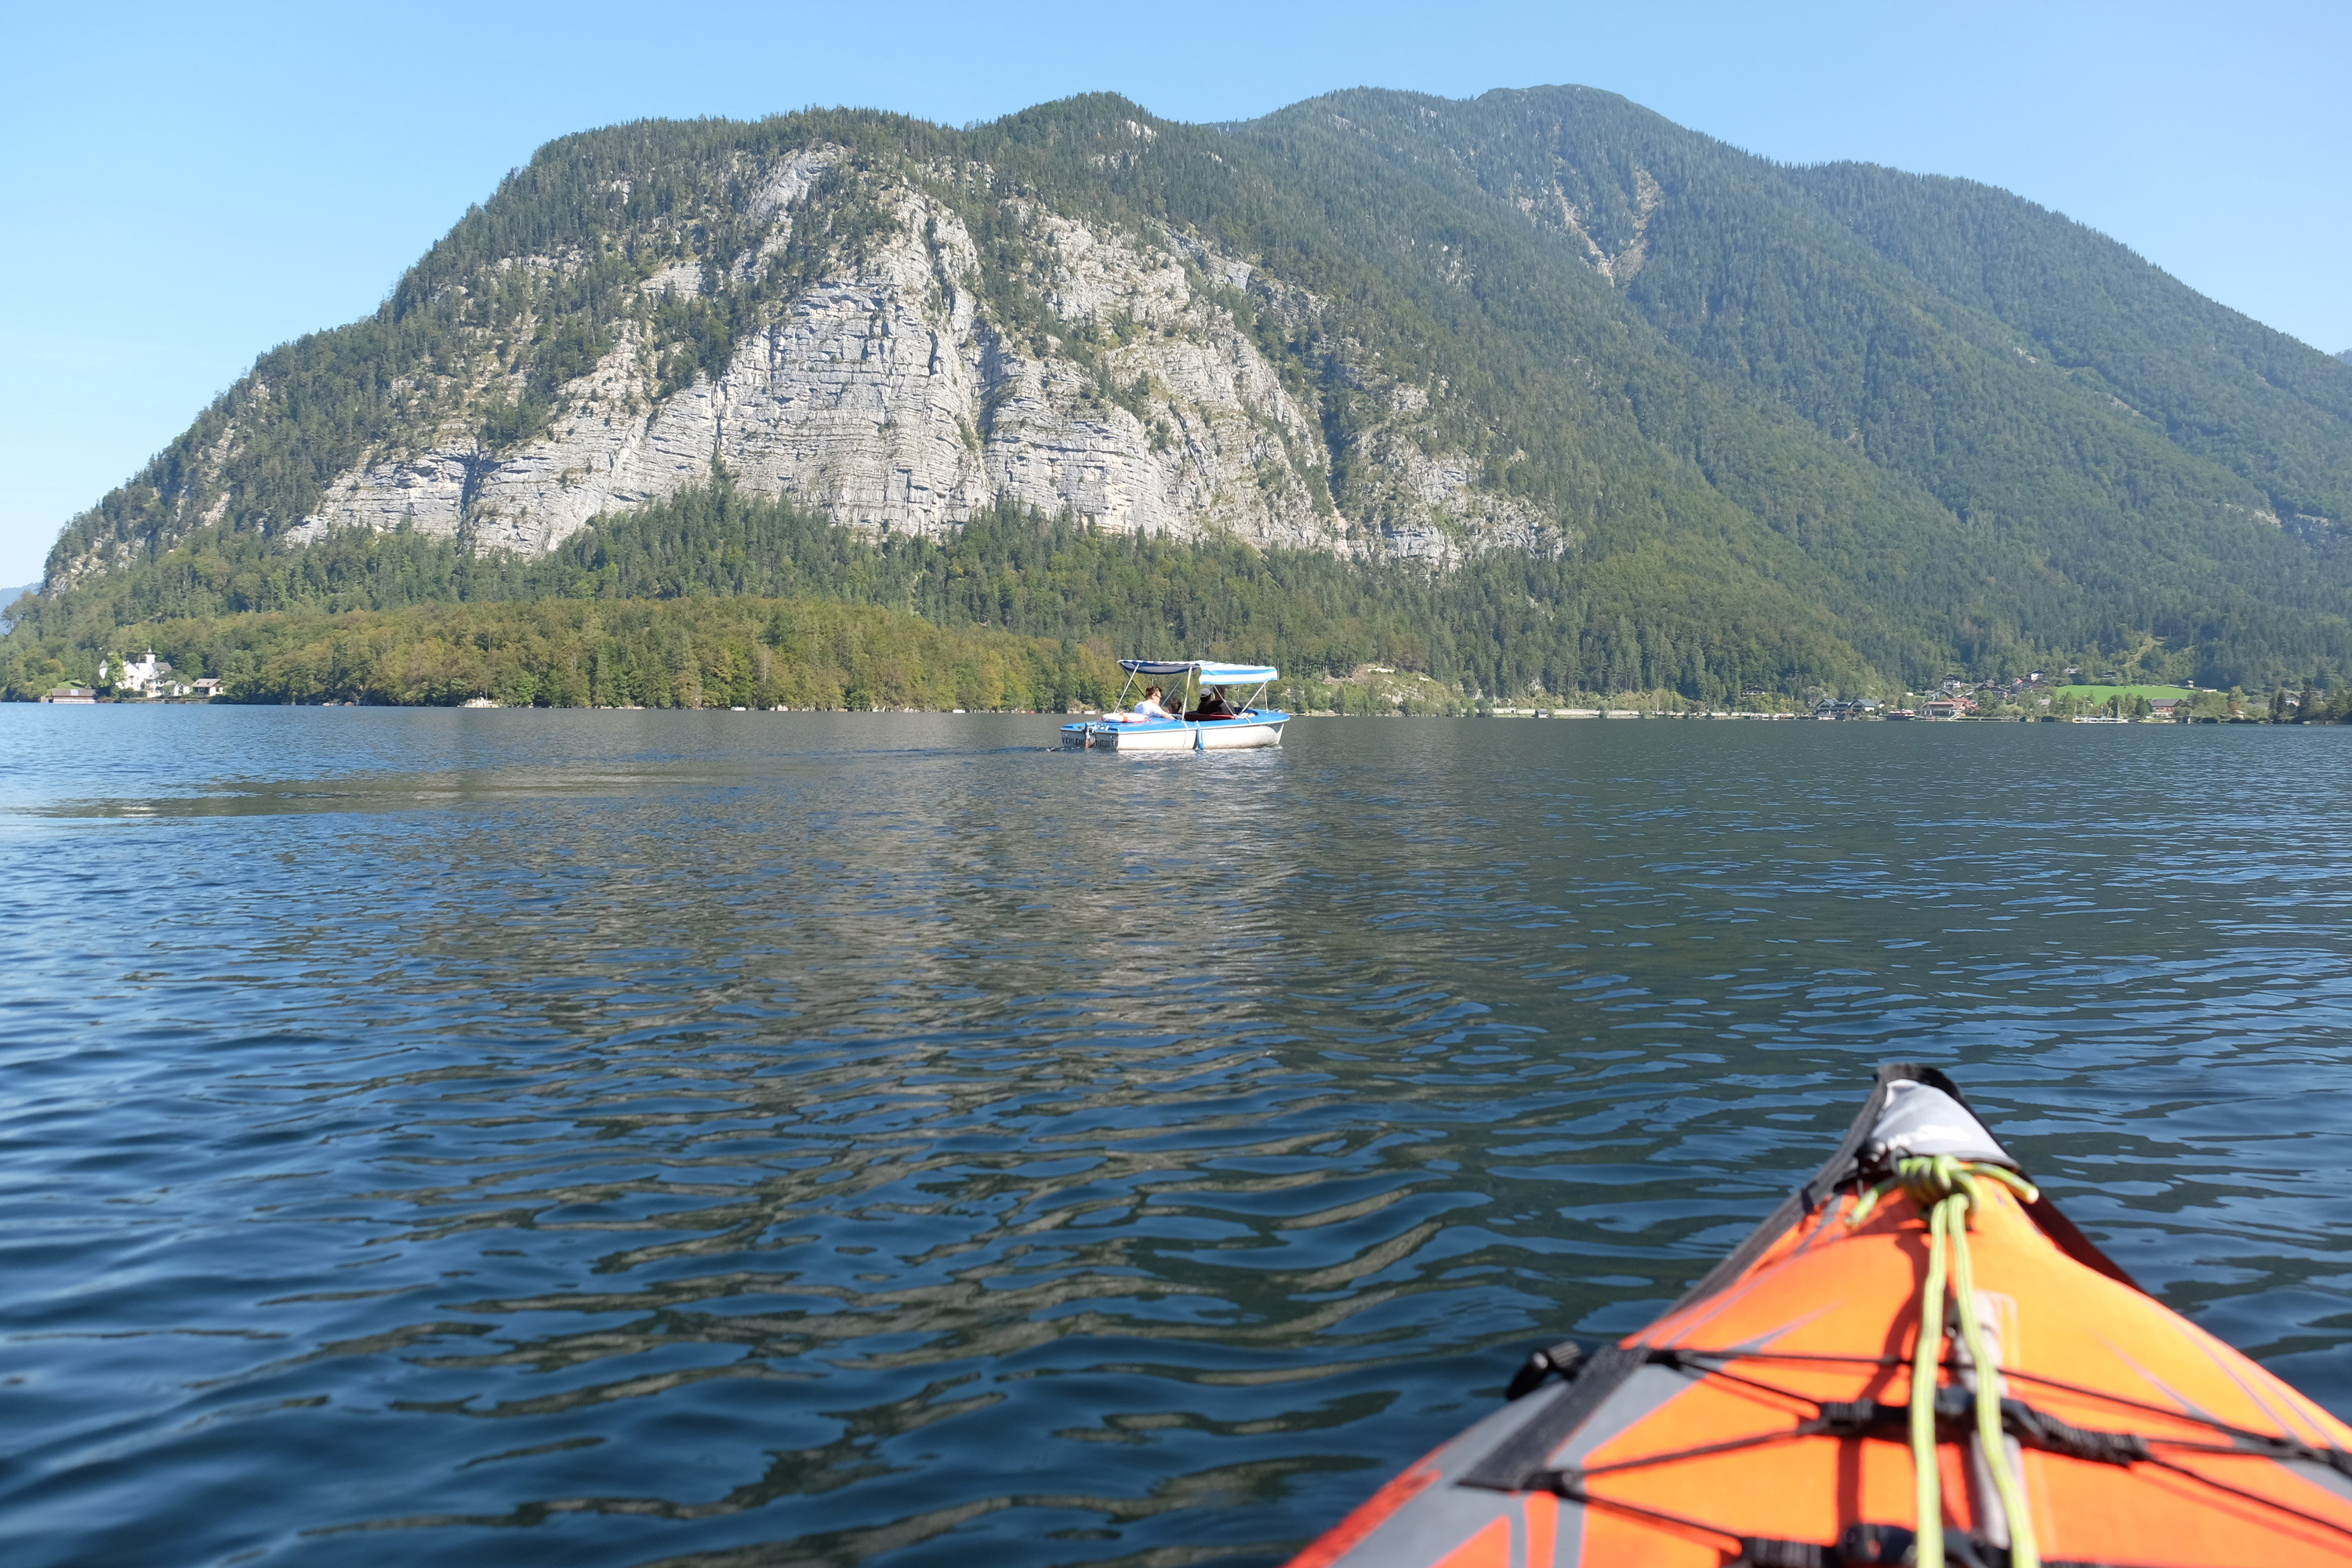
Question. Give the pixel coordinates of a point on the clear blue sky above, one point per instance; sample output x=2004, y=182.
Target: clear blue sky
x=188, y=184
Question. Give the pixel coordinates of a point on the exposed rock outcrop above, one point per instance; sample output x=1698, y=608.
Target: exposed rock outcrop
x=1552, y=209
x=888, y=393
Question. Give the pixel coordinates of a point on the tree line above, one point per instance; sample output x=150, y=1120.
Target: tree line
x=693, y=652
x=1501, y=623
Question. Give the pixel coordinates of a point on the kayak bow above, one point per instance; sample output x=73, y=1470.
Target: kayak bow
x=1777, y=1415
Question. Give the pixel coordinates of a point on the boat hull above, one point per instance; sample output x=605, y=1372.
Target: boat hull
x=1763, y=1419
x=1176, y=735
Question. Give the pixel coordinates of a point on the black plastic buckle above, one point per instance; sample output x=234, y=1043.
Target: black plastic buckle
x=1563, y=1358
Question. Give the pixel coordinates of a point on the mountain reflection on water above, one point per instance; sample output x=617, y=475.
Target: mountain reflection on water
x=734, y=1139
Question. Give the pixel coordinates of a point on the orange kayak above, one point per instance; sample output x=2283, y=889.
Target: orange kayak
x=1777, y=1417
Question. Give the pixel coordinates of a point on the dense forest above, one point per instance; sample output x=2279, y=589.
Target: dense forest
x=752, y=652
x=1837, y=426
x=224, y=602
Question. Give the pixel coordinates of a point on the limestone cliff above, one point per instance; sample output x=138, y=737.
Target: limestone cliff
x=883, y=385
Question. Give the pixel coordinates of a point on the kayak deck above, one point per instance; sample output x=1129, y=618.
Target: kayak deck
x=1765, y=1418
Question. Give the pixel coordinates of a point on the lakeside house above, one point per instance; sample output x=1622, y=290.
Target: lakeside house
x=71, y=694
x=152, y=677
x=148, y=676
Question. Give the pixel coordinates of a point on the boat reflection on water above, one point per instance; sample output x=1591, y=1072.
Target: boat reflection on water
x=1192, y=727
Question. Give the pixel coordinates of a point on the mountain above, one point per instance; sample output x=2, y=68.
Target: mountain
x=1589, y=399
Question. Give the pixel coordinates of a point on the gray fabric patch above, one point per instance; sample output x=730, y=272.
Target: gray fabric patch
x=1433, y=1523
x=1920, y=1121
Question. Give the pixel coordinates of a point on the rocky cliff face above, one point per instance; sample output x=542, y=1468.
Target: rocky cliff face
x=886, y=392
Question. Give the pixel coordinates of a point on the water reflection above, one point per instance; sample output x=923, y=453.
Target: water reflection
x=733, y=1139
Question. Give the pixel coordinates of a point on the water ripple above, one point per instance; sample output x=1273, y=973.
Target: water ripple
x=723, y=1139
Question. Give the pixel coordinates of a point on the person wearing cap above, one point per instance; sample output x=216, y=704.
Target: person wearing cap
x=1214, y=706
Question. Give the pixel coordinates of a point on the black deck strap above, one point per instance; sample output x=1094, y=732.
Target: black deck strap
x=2039, y=1429
x=1867, y=1545
x=1762, y=1552
x=1858, y=1546
x=1891, y=1544
x=1955, y=1417
x=1856, y=1417
x=1510, y=1463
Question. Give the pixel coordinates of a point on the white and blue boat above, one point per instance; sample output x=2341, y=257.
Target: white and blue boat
x=1249, y=724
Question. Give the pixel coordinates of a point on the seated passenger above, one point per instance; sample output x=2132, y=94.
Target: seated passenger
x=1214, y=706
x=1150, y=707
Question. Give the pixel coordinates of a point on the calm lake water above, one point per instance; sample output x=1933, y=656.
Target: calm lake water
x=730, y=1139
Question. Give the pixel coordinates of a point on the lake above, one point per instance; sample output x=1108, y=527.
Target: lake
x=726, y=1139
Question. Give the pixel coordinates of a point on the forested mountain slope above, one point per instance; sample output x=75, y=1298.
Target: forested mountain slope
x=2110, y=449
x=1753, y=422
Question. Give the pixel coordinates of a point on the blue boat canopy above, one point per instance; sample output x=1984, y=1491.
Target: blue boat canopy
x=1212, y=672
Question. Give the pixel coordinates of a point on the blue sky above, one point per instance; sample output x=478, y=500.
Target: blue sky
x=188, y=186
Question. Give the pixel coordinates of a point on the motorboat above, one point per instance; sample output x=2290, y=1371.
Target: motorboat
x=1121, y=729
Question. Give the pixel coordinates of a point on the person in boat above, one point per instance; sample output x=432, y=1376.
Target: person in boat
x=1214, y=706
x=1150, y=706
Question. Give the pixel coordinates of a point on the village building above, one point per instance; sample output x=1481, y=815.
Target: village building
x=144, y=676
